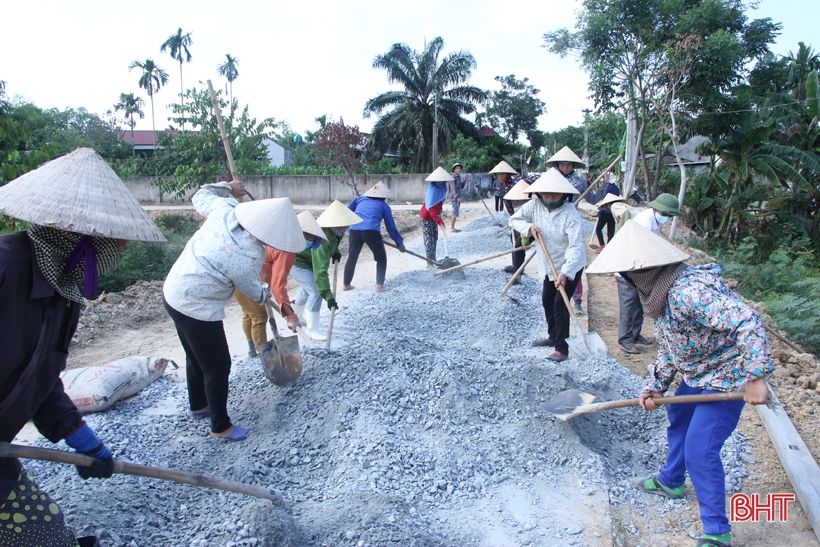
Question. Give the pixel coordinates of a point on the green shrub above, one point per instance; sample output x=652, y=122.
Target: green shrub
x=143, y=261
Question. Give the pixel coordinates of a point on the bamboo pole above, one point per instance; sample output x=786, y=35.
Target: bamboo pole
x=522, y=248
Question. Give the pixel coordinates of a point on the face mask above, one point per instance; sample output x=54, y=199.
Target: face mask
x=661, y=219
x=308, y=244
x=551, y=206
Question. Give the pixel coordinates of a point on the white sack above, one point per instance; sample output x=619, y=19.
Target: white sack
x=93, y=389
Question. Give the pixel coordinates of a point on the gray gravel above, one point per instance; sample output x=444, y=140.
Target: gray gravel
x=421, y=429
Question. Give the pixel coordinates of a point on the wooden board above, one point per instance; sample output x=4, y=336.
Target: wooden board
x=798, y=462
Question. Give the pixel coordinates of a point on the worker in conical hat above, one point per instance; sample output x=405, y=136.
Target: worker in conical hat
x=81, y=216
x=430, y=213
x=517, y=197
x=550, y=215
x=715, y=341
x=310, y=267
x=567, y=162
x=226, y=254
x=504, y=172
x=372, y=207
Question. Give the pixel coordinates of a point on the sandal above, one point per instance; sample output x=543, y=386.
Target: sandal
x=199, y=415
x=654, y=486
x=348, y=287
x=543, y=343
x=238, y=434
x=705, y=541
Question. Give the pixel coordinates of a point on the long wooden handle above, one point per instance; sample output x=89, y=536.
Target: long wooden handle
x=333, y=311
x=578, y=326
x=782, y=338
x=492, y=216
x=411, y=253
x=496, y=255
x=224, y=135
x=517, y=274
x=275, y=329
x=594, y=182
x=676, y=399
x=49, y=454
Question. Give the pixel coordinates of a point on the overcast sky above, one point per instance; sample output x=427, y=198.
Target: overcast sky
x=299, y=59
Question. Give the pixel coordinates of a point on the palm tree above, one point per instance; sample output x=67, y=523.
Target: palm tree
x=177, y=45
x=152, y=80
x=229, y=70
x=800, y=64
x=130, y=104
x=432, y=90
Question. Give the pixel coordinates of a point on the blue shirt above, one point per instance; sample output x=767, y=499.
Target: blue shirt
x=372, y=212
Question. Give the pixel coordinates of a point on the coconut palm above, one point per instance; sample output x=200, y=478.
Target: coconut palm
x=152, y=80
x=800, y=64
x=230, y=71
x=430, y=86
x=177, y=46
x=130, y=104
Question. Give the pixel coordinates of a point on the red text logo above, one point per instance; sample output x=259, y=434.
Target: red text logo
x=744, y=508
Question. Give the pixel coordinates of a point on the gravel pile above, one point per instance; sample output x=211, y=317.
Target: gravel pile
x=421, y=429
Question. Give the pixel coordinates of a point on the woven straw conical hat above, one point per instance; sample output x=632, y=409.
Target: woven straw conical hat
x=338, y=216
x=503, y=167
x=552, y=182
x=273, y=222
x=565, y=154
x=310, y=226
x=379, y=190
x=516, y=193
x=439, y=175
x=635, y=248
x=609, y=198
x=80, y=193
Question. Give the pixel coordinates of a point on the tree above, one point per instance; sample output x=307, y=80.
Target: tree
x=151, y=80
x=515, y=108
x=177, y=46
x=340, y=145
x=230, y=71
x=800, y=64
x=432, y=91
x=130, y=105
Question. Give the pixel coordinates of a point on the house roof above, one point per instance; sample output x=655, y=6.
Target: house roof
x=487, y=131
x=143, y=137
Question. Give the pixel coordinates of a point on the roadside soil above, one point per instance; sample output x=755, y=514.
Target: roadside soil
x=134, y=322
x=794, y=381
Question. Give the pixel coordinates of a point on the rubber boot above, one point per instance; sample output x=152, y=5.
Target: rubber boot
x=313, y=326
x=430, y=258
x=299, y=310
x=251, y=349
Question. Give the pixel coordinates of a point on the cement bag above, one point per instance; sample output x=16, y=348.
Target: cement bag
x=622, y=213
x=93, y=389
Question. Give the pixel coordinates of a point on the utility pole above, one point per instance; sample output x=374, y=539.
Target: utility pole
x=435, y=131
x=631, y=123
x=586, y=113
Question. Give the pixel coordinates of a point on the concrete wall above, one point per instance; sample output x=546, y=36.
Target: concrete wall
x=304, y=189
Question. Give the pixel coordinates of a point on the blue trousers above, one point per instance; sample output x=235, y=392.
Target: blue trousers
x=696, y=434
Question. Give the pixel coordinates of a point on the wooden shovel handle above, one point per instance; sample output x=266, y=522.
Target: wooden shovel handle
x=60, y=456
x=675, y=399
x=411, y=253
x=578, y=326
x=496, y=255
x=517, y=274
x=594, y=182
x=333, y=311
x=224, y=135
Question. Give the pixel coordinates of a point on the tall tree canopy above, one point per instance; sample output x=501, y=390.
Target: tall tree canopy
x=430, y=85
x=515, y=108
x=177, y=46
x=229, y=69
x=130, y=105
x=151, y=80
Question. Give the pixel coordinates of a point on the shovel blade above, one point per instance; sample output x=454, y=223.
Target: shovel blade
x=587, y=346
x=564, y=405
x=447, y=263
x=282, y=360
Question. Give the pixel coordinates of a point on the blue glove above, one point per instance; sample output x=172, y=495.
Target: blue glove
x=84, y=440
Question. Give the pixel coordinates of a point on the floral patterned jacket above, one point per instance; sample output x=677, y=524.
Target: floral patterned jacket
x=709, y=335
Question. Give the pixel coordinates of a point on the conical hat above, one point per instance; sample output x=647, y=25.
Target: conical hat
x=565, y=154
x=503, y=167
x=379, y=190
x=516, y=193
x=310, y=226
x=609, y=198
x=439, y=175
x=80, y=193
x=338, y=216
x=273, y=222
x=635, y=248
x=552, y=182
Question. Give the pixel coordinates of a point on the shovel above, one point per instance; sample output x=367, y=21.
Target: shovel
x=126, y=468
x=281, y=357
x=447, y=262
x=411, y=253
x=333, y=311
x=569, y=404
x=492, y=216
x=583, y=345
x=472, y=262
x=515, y=276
